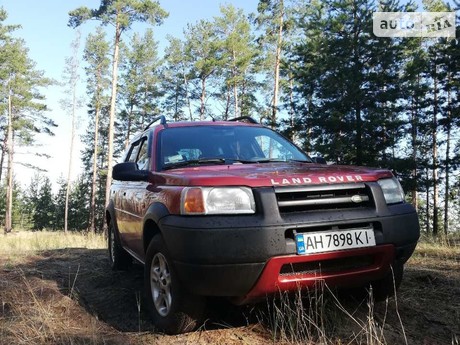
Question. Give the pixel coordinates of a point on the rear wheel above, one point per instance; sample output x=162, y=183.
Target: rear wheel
x=118, y=257
x=388, y=285
x=173, y=310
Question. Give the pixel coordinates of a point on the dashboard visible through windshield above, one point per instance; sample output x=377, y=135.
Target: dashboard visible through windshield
x=204, y=145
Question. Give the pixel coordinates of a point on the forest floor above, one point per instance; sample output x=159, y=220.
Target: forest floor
x=65, y=293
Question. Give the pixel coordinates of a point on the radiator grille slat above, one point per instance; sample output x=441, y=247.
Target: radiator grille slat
x=323, y=197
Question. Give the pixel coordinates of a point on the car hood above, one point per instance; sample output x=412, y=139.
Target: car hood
x=268, y=174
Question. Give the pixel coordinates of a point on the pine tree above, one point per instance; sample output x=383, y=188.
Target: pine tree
x=44, y=207
x=70, y=105
x=348, y=81
x=237, y=52
x=275, y=21
x=122, y=14
x=94, y=160
x=451, y=62
x=176, y=82
x=59, y=202
x=414, y=90
x=96, y=55
x=6, y=41
x=40, y=201
x=437, y=78
x=24, y=108
x=79, y=205
x=140, y=84
x=201, y=48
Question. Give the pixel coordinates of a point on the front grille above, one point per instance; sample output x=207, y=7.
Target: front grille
x=325, y=266
x=323, y=197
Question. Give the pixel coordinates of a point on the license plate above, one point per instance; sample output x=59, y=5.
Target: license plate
x=318, y=242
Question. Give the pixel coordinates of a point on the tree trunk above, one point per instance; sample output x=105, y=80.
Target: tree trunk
x=414, y=152
x=359, y=133
x=9, y=188
x=128, y=130
x=242, y=98
x=446, y=184
x=277, y=63
x=435, y=156
x=235, y=96
x=187, y=97
x=202, y=98
x=69, y=173
x=427, y=207
x=227, y=105
x=235, y=88
x=2, y=157
x=112, y=113
x=176, y=105
x=291, y=109
x=73, y=69
x=92, y=217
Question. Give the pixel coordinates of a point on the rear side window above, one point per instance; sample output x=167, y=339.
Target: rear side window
x=139, y=154
x=132, y=155
x=142, y=156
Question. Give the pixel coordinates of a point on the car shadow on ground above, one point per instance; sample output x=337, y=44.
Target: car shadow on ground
x=116, y=297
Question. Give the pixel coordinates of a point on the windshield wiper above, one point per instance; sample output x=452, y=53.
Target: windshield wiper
x=276, y=160
x=300, y=160
x=264, y=160
x=194, y=162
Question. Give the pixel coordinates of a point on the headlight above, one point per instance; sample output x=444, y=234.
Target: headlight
x=219, y=200
x=392, y=190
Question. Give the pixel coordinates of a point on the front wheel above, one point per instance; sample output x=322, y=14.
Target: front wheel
x=172, y=309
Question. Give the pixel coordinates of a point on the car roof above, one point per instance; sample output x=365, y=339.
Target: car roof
x=209, y=123
x=164, y=125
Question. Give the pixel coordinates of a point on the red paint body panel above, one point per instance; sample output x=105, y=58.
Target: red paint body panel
x=248, y=256
x=269, y=174
x=271, y=282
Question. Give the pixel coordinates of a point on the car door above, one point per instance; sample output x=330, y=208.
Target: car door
x=133, y=204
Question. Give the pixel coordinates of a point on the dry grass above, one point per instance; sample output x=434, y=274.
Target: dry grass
x=442, y=247
x=34, y=310
x=28, y=241
x=320, y=317
x=57, y=288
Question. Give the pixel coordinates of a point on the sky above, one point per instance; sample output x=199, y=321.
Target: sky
x=45, y=31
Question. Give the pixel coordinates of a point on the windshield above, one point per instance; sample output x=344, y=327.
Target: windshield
x=205, y=145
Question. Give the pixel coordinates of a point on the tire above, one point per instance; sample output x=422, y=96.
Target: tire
x=119, y=259
x=172, y=309
x=387, y=286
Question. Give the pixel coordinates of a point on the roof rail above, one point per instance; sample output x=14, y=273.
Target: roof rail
x=162, y=119
x=244, y=119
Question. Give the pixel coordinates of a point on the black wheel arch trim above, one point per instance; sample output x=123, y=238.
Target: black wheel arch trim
x=153, y=214
x=110, y=217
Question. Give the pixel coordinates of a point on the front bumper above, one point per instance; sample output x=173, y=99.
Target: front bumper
x=347, y=268
x=249, y=256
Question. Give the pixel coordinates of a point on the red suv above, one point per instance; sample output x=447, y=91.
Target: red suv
x=232, y=208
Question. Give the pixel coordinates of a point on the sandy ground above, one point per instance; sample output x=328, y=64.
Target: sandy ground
x=70, y=296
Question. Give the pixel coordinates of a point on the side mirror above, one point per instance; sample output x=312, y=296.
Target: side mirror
x=319, y=160
x=128, y=171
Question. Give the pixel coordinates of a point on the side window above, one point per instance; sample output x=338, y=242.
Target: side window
x=139, y=154
x=273, y=149
x=133, y=152
x=142, y=157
